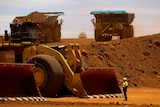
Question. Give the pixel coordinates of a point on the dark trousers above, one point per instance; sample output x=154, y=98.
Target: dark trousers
x=125, y=92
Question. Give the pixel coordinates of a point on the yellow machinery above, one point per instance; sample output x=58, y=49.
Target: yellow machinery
x=112, y=23
x=48, y=24
x=29, y=68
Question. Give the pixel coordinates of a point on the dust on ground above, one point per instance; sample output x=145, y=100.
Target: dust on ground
x=137, y=97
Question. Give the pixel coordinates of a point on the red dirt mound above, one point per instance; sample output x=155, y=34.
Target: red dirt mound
x=138, y=59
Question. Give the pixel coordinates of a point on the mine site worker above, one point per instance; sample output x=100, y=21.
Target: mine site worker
x=125, y=86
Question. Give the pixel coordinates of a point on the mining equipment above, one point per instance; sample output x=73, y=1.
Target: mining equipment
x=28, y=67
x=49, y=24
x=110, y=23
x=82, y=35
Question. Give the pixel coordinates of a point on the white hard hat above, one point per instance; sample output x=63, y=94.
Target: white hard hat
x=124, y=78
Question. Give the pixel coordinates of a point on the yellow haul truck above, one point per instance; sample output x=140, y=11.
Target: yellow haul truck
x=112, y=23
x=48, y=22
x=30, y=68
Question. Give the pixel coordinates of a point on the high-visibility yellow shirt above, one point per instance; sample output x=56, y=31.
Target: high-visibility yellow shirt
x=125, y=84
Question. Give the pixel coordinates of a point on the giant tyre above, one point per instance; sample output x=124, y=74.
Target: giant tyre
x=48, y=33
x=128, y=32
x=49, y=79
x=57, y=36
x=98, y=35
x=124, y=34
x=131, y=31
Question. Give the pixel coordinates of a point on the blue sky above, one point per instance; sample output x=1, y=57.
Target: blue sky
x=77, y=16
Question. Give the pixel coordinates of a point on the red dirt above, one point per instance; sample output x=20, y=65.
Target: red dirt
x=138, y=59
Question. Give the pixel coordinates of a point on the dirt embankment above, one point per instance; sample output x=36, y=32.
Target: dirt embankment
x=138, y=59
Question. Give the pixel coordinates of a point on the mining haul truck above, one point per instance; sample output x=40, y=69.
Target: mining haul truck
x=49, y=25
x=30, y=68
x=115, y=23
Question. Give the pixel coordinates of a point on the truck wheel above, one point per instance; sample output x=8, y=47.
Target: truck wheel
x=49, y=76
x=127, y=32
x=131, y=31
x=47, y=32
x=57, y=36
x=97, y=35
x=124, y=34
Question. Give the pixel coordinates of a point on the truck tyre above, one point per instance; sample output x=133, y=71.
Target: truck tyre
x=128, y=32
x=47, y=32
x=124, y=33
x=50, y=78
x=131, y=31
x=57, y=36
x=97, y=35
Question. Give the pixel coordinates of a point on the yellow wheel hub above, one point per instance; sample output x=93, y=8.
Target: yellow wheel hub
x=39, y=76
